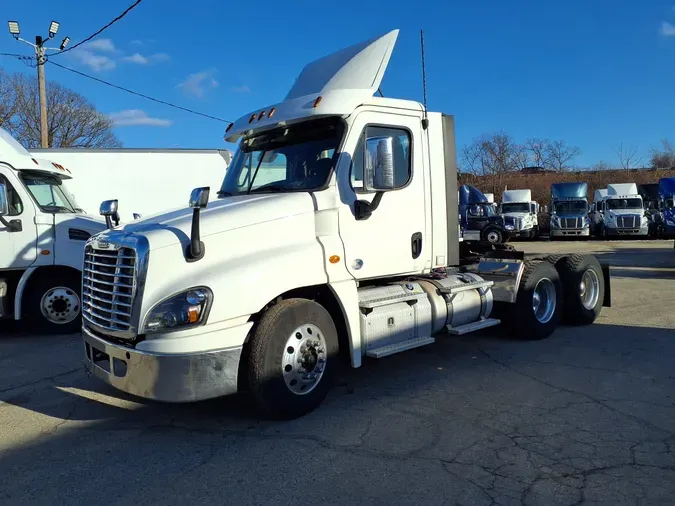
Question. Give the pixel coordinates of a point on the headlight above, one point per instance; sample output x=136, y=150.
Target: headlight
x=670, y=221
x=587, y=221
x=555, y=219
x=509, y=227
x=186, y=309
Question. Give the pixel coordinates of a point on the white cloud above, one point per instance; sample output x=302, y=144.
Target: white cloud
x=103, y=45
x=136, y=42
x=241, y=89
x=198, y=84
x=667, y=29
x=96, y=62
x=136, y=117
x=137, y=58
x=160, y=57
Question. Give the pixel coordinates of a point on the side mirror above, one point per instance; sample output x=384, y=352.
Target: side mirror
x=108, y=209
x=199, y=199
x=4, y=200
x=379, y=163
x=137, y=216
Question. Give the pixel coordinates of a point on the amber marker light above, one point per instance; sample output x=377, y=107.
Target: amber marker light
x=334, y=259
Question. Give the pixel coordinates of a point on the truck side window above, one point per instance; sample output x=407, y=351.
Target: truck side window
x=15, y=204
x=402, y=165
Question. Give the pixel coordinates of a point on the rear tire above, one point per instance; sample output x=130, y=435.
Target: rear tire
x=52, y=304
x=539, y=302
x=293, y=358
x=584, y=288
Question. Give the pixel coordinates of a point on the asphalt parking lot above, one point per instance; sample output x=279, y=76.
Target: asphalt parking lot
x=586, y=416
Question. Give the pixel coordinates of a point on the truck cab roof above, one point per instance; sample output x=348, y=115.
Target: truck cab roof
x=333, y=85
x=621, y=189
x=17, y=157
x=517, y=196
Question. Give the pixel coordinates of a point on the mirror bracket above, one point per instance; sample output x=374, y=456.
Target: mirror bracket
x=12, y=225
x=364, y=209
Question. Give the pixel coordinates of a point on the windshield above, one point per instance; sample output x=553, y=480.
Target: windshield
x=48, y=192
x=516, y=207
x=294, y=158
x=573, y=206
x=618, y=204
x=481, y=210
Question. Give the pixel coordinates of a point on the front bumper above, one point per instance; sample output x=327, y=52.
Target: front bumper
x=570, y=232
x=642, y=231
x=163, y=377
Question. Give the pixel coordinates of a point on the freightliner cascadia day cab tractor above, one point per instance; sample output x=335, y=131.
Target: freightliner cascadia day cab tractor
x=42, y=238
x=479, y=220
x=332, y=239
x=622, y=212
x=518, y=204
x=569, y=210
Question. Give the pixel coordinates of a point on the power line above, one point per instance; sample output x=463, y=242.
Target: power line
x=139, y=94
x=99, y=31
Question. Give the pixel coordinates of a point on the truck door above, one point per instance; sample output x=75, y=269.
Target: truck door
x=395, y=238
x=18, y=242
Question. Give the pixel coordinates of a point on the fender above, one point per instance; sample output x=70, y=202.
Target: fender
x=20, y=287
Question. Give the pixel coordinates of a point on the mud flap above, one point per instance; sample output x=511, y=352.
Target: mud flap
x=607, y=300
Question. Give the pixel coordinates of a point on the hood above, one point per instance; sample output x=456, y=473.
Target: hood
x=220, y=216
x=624, y=212
x=517, y=215
x=78, y=227
x=572, y=214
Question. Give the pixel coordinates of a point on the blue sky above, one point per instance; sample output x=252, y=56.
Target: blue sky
x=592, y=72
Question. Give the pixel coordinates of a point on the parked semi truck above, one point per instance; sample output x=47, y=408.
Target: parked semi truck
x=518, y=204
x=479, y=220
x=144, y=181
x=622, y=212
x=569, y=210
x=42, y=238
x=666, y=194
x=271, y=286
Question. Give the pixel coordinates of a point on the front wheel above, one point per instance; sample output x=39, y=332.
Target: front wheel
x=293, y=358
x=52, y=304
x=538, y=304
x=493, y=236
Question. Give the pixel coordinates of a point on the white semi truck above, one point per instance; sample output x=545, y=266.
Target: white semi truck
x=42, y=238
x=144, y=181
x=272, y=287
x=519, y=205
x=621, y=211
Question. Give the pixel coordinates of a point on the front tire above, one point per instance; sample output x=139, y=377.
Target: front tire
x=293, y=358
x=539, y=302
x=584, y=288
x=494, y=236
x=53, y=304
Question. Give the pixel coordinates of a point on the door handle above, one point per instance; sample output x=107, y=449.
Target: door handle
x=416, y=244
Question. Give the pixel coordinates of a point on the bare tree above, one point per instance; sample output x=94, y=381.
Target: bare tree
x=628, y=157
x=72, y=121
x=539, y=152
x=601, y=165
x=7, y=98
x=559, y=155
x=663, y=158
x=492, y=156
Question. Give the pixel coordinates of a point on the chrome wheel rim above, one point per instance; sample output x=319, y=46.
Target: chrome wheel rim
x=493, y=237
x=544, y=300
x=589, y=289
x=303, y=363
x=60, y=305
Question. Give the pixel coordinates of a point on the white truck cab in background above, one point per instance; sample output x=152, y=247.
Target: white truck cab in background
x=620, y=211
x=333, y=238
x=143, y=181
x=42, y=238
x=519, y=205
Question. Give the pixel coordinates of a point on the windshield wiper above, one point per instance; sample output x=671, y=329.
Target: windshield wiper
x=271, y=187
x=59, y=208
x=222, y=193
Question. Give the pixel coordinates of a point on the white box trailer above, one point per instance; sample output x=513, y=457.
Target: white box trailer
x=143, y=181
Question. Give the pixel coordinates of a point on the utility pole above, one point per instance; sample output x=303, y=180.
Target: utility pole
x=41, y=59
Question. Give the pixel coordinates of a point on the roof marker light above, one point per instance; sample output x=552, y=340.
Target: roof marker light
x=252, y=118
x=272, y=111
x=261, y=115
x=317, y=102
x=229, y=127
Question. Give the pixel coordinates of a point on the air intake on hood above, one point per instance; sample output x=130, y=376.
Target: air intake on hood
x=77, y=234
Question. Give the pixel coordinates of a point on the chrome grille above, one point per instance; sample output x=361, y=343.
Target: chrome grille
x=571, y=222
x=108, y=287
x=628, y=221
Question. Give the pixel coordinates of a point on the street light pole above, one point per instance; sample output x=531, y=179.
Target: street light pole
x=42, y=87
x=41, y=59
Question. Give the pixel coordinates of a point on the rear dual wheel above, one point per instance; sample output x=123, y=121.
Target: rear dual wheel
x=583, y=285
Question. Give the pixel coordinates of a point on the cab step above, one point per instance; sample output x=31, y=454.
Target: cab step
x=473, y=326
x=390, y=349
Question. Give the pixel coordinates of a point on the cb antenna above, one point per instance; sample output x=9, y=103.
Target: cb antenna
x=425, y=119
